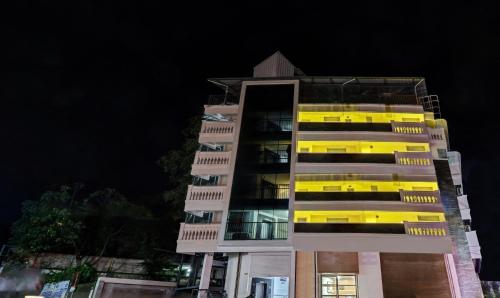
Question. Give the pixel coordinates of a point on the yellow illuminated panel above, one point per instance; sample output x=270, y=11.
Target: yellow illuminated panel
x=359, y=117
x=362, y=216
x=360, y=147
x=364, y=186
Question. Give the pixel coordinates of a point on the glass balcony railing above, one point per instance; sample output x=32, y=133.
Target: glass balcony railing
x=256, y=231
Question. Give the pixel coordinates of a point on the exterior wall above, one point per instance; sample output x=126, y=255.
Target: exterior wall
x=225, y=246
x=305, y=274
x=370, y=275
x=396, y=259
x=253, y=265
x=231, y=274
x=414, y=275
x=129, y=288
x=470, y=285
x=349, y=242
x=337, y=262
x=101, y=264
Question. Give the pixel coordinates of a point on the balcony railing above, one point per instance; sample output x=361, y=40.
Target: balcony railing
x=217, y=132
x=408, y=127
x=274, y=157
x=437, y=134
x=222, y=99
x=212, y=158
x=206, y=193
x=275, y=191
x=420, y=197
x=217, y=127
x=426, y=229
x=256, y=231
x=414, y=158
x=199, y=231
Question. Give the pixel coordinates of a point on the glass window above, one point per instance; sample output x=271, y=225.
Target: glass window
x=339, y=286
x=442, y=153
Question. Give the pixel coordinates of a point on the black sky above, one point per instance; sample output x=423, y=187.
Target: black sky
x=97, y=92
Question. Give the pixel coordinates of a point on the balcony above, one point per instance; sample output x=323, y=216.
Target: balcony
x=216, y=132
x=409, y=127
x=222, y=99
x=221, y=111
x=474, y=247
x=437, y=134
x=414, y=158
x=410, y=237
x=426, y=229
x=197, y=237
x=420, y=197
x=256, y=231
x=201, y=198
x=211, y=163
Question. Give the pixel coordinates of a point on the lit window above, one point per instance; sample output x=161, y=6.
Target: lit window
x=339, y=285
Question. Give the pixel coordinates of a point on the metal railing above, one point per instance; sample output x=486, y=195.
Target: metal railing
x=256, y=231
x=274, y=157
x=275, y=191
x=222, y=99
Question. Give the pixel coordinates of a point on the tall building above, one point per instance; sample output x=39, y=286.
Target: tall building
x=329, y=187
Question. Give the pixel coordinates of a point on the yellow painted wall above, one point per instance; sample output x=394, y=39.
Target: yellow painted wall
x=364, y=186
x=358, y=117
x=361, y=216
x=360, y=147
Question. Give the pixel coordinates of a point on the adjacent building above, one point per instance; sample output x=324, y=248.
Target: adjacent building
x=329, y=187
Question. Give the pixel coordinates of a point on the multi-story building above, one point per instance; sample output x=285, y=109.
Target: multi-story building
x=329, y=187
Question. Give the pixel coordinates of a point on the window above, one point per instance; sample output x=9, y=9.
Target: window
x=442, y=153
x=337, y=220
x=338, y=286
x=331, y=119
x=336, y=150
x=332, y=188
x=427, y=218
x=415, y=148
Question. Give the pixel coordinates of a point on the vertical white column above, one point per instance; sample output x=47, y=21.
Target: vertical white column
x=205, y=275
x=370, y=275
x=231, y=275
x=452, y=276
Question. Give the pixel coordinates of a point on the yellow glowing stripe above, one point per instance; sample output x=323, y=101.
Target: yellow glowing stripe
x=362, y=216
x=359, y=117
x=359, y=147
x=364, y=186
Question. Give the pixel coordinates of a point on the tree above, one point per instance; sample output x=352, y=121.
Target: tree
x=101, y=223
x=48, y=224
x=177, y=165
x=110, y=219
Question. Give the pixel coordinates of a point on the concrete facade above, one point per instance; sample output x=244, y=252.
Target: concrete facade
x=352, y=241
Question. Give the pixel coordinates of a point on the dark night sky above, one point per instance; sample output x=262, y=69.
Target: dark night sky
x=97, y=92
